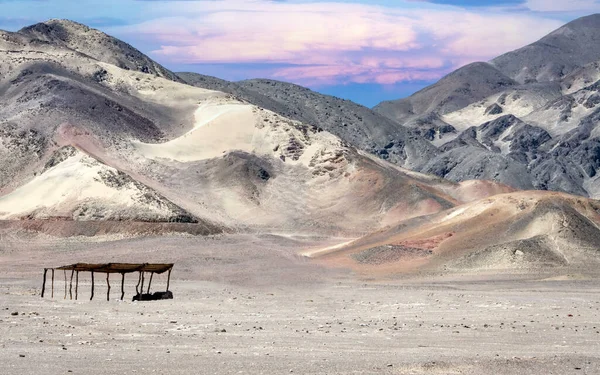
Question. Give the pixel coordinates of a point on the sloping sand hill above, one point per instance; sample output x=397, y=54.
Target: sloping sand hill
x=524, y=231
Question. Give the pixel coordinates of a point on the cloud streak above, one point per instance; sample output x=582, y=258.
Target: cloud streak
x=563, y=5
x=335, y=42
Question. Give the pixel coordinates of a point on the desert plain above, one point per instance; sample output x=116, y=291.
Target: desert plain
x=250, y=304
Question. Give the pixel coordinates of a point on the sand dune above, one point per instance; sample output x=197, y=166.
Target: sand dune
x=76, y=186
x=218, y=128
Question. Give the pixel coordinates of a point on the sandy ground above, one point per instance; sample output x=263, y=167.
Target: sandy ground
x=247, y=304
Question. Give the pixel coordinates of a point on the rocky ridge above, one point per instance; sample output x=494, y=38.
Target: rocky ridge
x=540, y=103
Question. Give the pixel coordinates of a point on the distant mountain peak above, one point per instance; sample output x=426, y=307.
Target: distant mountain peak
x=591, y=21
x=96, y=44
x=556, y=55
x=458, y=89
x=60, y=29
x=580, y=29
x=527, y=118
x=63, y=22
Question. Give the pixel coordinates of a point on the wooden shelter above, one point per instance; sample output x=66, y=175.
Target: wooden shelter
x=119, y=268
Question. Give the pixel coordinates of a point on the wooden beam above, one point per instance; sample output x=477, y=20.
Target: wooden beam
x=44, y=282
x=76, y=285
x=52, y=282
x=137, y=291
x=92, y=296
x=122, y=285
x=108, y=285
x=142, y=286
x=65, y=272
x=168, y=280
x=150, y=282
x=71, y=285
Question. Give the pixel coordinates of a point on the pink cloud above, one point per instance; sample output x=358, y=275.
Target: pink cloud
x=481, y=36
x=335, y=42
x=324, y=75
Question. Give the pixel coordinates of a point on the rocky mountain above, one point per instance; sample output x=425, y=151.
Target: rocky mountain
x=548, y=86
x=530, y=122
x=89, y=137
x=355, y=124
x=455, y=91
x=556, y=55
x=95, y=44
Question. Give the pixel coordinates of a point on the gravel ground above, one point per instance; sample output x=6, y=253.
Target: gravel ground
x=288, y=322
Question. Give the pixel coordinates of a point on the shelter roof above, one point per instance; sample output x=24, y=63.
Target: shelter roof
x=118, y=267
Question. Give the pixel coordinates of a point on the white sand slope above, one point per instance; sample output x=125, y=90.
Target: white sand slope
x=218, y=128
x=562, y=116
x=155, y=89
x=79, y=187
x=253, y=167
x=224, y=125
x=541, y=108
x=519, y=103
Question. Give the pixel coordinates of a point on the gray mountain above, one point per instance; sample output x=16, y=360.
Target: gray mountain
x=240, y=92
x=556, y=55
x=455, y=91
x=95, y=44
x=496, y=150
x=553, y=57
x=581, y=77
x=211, y=83
x=355, y=124
x=531, y=121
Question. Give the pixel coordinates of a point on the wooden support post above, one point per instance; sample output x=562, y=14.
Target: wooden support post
x=71, y=285
x=92, y=296
x=52, y=282
x=65, y=272
x=142, y=286
x=150, y=282
x=76, y=285
x=168, y=280
x=108, y=285
x=122, y=285
x=44, y=282
x=137, y=291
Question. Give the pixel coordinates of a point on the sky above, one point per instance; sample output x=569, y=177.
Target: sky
x=363, y=50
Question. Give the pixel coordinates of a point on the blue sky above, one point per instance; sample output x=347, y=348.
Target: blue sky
x=366, y=51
